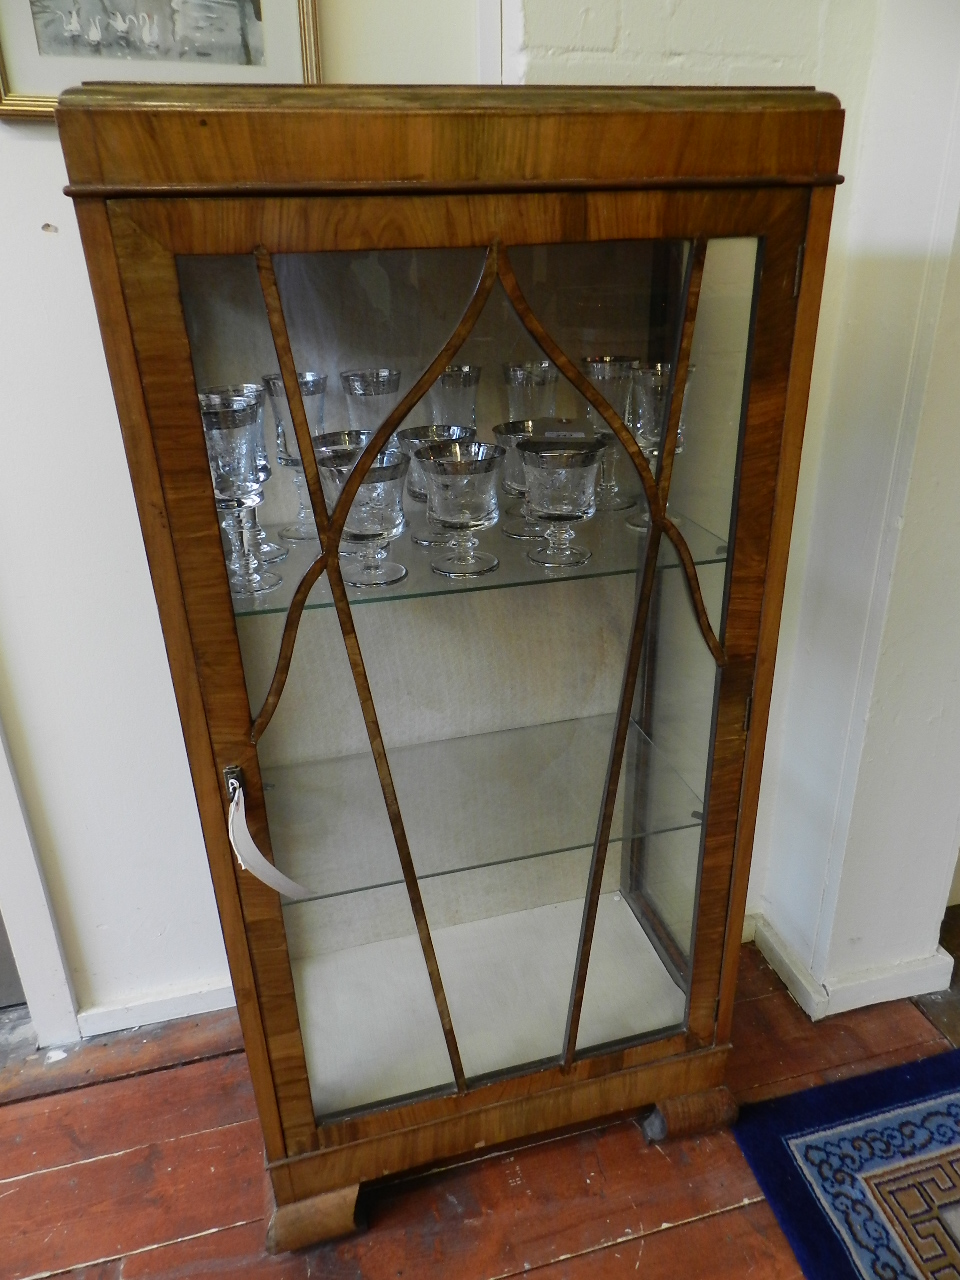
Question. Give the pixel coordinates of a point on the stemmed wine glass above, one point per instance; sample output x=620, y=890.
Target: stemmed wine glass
x=453, y=397
x=531, y=389
x=513, y=479
x=313, y=387
x=561, y=489
x=231, y=427
x=375, y=518
x=266, y=551
x=461, y=480
x=651, y=392
x=410, y=439
x=614, y=378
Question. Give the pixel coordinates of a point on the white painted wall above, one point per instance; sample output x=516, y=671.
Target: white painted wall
x=85, y=693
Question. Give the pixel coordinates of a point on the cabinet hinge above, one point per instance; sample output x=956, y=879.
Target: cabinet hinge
x=799, y=273
x=747, y=712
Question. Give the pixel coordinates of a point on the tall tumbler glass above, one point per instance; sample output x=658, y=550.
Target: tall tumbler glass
x=613, y=377
x=561, y=489
x=453, y=397
x=651, y=398
x=371, y=394
x=313, y=388
x=531, y=389
x=231, y=426
x=375, y=518
x=513, y=480
x=461, y=500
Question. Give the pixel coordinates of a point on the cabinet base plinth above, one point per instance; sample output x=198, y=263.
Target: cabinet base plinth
x=690, y=1114
x=307, y=1222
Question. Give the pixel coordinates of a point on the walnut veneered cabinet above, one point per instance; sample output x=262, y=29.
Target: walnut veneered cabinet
x=477, y=774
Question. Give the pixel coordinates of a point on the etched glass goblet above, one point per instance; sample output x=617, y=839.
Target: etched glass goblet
x=461, y=500
x=313, y=388
x=613, y=377
x=231, y=423
x=453, y=397
x=371, y=394
x=531, y=389
x=375, y=518
x=520, y=524
x=561, y=489
x=410, y=439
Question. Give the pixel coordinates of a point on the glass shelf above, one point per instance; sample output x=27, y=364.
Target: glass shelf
x=616, y=549
x=330, y=831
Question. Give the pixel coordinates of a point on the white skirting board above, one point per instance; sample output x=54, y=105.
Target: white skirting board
x=837, y=995
x=185, y=1004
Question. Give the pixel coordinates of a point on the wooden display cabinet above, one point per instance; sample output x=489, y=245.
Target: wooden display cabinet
x=514, y=810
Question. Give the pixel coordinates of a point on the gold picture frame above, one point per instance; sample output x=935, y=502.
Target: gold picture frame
x=18, y=105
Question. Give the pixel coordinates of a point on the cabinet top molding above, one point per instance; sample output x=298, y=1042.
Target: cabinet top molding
x=126, y=140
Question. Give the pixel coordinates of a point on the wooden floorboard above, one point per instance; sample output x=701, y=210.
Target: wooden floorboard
x=156, y=1173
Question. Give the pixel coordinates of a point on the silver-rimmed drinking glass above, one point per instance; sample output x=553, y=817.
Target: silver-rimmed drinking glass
x=531, y=389
x=453, y=397
x=266, y=551
x=410, y=439
x=231, y=424
x=461, y=500
x=651, y=393
x=613, y=377
x=375, y=518
x=561, y=490
x=520, y=524
x=371, y=394
x=313, y=388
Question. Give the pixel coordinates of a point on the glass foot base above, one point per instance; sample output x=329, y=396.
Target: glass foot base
x=270, y=553
x=615, y=501
x=565, y=558
x=383, y=574
x=424, y=538
x=299, y=533
x=455, y=566
x=254, y=584
x=640, y=520
x=523, y=529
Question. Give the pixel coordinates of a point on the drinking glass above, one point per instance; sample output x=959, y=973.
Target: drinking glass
x=410, y=439
x=531, y=389
x=453, y=397
x=520, y=525
x=313, y=388
x=613, y=377
x=651, y=391
x=561, y=490
x=231, y=425
x=375, y=518
x=462, y=499
x=371, y=394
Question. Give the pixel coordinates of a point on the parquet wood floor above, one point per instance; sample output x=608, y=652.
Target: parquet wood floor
x=155, y=1172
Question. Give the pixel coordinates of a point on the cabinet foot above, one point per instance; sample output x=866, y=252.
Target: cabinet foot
x=307, y=1222
x=690, y=1114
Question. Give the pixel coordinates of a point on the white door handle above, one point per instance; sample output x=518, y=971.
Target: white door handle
x=250, y=857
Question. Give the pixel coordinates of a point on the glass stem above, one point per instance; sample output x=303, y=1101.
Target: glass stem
x=304, y=518
x=241, y=564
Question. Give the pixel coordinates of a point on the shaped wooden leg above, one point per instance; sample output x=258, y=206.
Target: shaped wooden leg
x=307, y=1222
x=690, y=1114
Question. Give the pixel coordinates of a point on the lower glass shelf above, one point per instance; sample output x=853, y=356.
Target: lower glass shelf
x=370, y=1026
x=469, y=805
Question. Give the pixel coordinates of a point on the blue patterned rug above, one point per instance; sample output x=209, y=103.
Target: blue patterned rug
x=864, y=1176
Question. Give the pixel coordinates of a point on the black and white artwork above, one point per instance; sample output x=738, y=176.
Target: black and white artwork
x=225, y=31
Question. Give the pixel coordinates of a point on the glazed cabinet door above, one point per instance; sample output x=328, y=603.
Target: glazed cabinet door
x=471, y=498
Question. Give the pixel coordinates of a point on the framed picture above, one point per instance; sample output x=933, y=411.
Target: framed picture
x=48, y=45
